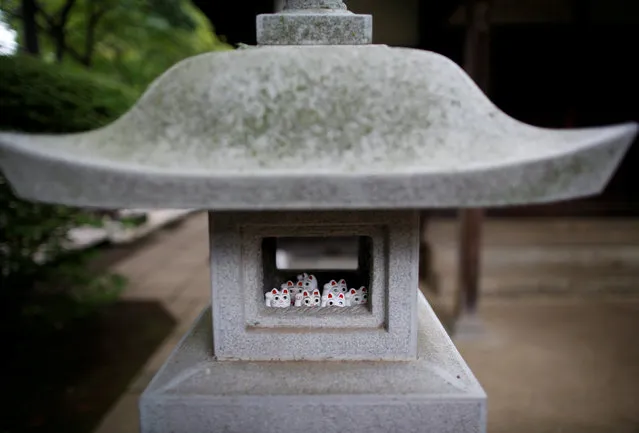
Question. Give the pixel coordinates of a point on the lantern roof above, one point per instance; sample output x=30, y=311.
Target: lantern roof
x=314, y=127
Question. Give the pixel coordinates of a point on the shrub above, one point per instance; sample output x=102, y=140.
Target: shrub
x=42, y=98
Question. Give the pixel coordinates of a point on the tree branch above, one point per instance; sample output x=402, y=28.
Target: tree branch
x=71, y=51
x=47, y=17
x=28, y=10
x=89, y=39
x=63, y=14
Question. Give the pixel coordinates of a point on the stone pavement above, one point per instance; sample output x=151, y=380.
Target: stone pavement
x=172, y=268
x=565, y=364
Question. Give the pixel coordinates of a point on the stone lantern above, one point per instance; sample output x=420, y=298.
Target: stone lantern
x=314, y=134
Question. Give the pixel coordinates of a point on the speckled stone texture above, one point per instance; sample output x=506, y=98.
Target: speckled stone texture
x=194, y=393
x=314, y=22
x=314, y=27
x=315, y=4
x=245, y=329
x=339, y=127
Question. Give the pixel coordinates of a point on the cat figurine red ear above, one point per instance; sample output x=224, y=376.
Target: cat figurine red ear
x=331, y=300
x=310, y=283
x=357, y=297
x=292, y=290
x=287, y=285
x=311, y=299
x=277, y=299
x=342, y=285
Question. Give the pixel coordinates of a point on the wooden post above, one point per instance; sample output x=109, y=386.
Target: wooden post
x=470, y=221
x=477, y=65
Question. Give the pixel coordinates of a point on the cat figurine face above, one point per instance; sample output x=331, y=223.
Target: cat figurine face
x=311, y=299
x=357, y=297
x=331, y=287
x=332, y=300
x=343, y=286
x=308, y=282
x=278, y=298
x=290, y=286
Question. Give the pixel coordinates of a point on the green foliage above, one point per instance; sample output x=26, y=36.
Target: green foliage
x=132, y=41
x=36, y=97
x=137, y=47
x=92, y=60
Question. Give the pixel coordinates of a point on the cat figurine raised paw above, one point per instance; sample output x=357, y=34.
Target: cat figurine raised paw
x=305, y=282
x=357, y=297
x=278, y=298
x=295, y=289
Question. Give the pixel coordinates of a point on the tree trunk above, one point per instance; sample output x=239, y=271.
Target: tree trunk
x=59, y=32
x=59, y=36
x=92, y=20
x=29, y=27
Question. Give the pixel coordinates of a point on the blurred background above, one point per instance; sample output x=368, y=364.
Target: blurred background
x=543, y=301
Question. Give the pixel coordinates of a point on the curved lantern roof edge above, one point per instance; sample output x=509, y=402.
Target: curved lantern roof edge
x=334, y=127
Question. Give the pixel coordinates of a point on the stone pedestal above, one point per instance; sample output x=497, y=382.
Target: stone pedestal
x=195, y=393
x=314, y=22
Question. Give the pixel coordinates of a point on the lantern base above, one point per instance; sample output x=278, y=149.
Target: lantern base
x=194, y=393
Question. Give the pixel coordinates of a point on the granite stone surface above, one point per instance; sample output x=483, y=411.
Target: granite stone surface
x=245, y=329
x=314, y=27
x=339, y=127
x=315, y=4
x=194, y=393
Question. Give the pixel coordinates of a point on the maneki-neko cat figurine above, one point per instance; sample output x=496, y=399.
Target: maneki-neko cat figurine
x=278, y=298
x=305, y=282
x=332, y=300
x=309, y=299
x=357, y=297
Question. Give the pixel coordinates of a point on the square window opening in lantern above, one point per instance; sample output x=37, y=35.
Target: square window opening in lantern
x=323, y=265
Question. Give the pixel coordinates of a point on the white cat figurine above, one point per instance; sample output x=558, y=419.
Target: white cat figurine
x=330, y=287
x=291, y=290
x=310, y=299
x=308, y=281
x=357, y=297
x=278, y=299
x=343, y=286
x=332, y=300
x=305, y=282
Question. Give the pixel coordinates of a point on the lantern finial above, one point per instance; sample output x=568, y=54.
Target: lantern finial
x=314, y=22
